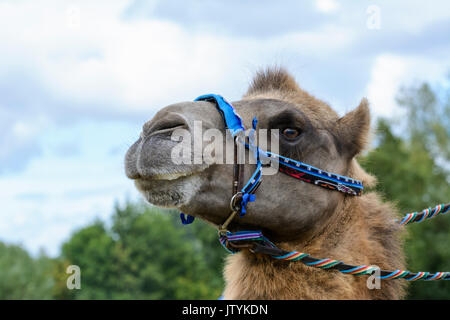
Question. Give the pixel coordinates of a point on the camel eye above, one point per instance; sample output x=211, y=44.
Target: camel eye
x=290, y=133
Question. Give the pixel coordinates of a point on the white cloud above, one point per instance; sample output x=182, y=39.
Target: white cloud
x=135, y=65
x=319, y=43
x=390, y=72
x=327, y=6
x=386, y=76
x=54, y=195
x=28, y=128
x=412, y=16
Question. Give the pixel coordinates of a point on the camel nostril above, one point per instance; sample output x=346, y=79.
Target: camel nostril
x=168, y=127
x=167, y=124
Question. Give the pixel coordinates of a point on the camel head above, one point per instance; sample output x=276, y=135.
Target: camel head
x=285, y=208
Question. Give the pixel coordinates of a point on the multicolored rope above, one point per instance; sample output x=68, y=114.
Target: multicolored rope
x=425, y=214
x=233, y=241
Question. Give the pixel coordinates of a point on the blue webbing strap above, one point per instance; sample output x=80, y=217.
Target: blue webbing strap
x=232, y=120
x=186, y=218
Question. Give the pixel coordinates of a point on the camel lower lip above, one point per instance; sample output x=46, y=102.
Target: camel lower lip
x=150, y=183
x=170, y=192
x=171, y=176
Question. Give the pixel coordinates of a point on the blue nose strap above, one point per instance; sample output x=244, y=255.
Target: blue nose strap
x=232, y=120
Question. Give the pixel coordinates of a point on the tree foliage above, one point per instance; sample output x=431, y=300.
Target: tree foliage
x=22, y=276
x=413, y=171
x=146, y=254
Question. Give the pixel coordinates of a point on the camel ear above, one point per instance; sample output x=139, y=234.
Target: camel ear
x=353, y=129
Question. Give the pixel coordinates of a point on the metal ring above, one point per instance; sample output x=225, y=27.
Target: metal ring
x=233, y=206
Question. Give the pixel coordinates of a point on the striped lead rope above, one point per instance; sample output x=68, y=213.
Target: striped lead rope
x=264, y=245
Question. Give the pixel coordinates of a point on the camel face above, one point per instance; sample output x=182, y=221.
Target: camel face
x=285, y=208
x=294, y=214
x=149, y=161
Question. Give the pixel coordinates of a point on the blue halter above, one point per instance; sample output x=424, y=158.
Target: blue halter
x=293, y=168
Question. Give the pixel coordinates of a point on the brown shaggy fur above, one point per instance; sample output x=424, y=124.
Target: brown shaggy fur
x=361, y=230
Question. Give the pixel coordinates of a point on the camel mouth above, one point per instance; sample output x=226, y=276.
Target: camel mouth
x=170, y=176
x=152, y=183
x=170, y=190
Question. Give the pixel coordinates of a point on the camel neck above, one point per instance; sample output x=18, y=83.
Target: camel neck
x=257, y=276
x=331, y=234
x=328, y=234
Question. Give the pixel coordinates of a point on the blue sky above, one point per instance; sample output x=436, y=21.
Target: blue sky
x=79, y=78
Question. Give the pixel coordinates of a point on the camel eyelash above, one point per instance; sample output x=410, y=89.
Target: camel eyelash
x=291, y=133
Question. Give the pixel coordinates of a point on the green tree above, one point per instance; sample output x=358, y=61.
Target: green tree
x=22, y=276
x=428, y=118
x=413, y=171
x=146, y=254
x=93, y=250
